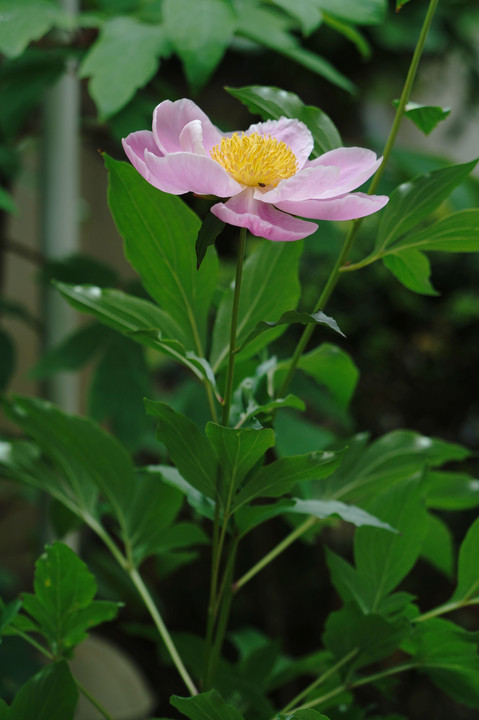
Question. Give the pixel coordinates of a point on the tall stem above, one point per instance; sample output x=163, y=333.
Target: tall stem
x=234, y=320
x=348, y=243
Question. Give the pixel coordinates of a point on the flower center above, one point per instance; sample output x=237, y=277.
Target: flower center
x=255, y=160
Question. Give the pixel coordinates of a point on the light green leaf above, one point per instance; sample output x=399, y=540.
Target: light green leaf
x=25, y=21
x=332, y=367
x=269, y=287
x=159, y=233
x=458, y=232
x=281, y=476
x=385, y=558
x=438, y=546
x=238, y=451
x=468, y=566
x=63, y=605
x=413, y=201
x=412, y=268
x=273, y=103
x=51, y=694
x=189, y=449
x=451, y=491
x=307, y=13
x=205, y=706
x=124, y=58
x=367, y=12
x=200, y=33
x=72, y=353
x=333, y=508
x=292, y=317
x=425, y=117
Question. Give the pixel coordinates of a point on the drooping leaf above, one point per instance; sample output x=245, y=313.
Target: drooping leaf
x=425, y=117
x=159, y=233
x=273, y=103
x=438, y=546
x=51, y=694
x=269, y=287
x=412, y=268
x=292, y=317
x=468, y=566
x=200, y=33
x=205, y=706
x=114, y=77
x=281, y=476
x=63, y=606
x=413, y=201
x=189, y=449
x=210, y=228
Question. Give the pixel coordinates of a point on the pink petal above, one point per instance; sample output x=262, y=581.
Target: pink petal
x=261, y=219
x=169, y=119
x=356, y=165
x=191, y=138
x=292, y=132
x=347, y=207
x=307, y=183
x=182, y=172
x=135, y=145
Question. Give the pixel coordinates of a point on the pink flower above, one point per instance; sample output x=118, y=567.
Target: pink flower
x=264, y=171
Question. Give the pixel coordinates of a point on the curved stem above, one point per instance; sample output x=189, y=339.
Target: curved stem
x=234, y=320
x=288, y=540
x=93, y=701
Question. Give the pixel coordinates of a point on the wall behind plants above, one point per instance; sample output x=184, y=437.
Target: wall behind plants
x=413, y=352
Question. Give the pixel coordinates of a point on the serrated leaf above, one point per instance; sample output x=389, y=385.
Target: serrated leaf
x=124, y=58
x=413, y=201
x=210, y=228
x=200, y=34
x=425, y=117
x=292, y=317
x=63, y=605
x=273, y=103
x=51, y=694
x=159, y=233
x=412, y=268
x=468, y=566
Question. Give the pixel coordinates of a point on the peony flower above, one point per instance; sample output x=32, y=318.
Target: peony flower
x=264, y=171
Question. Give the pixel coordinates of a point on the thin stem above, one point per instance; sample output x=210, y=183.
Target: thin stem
x=93, y=701
x=336, y=272
x=446, y=608
x=162, y=629
x=234, y=320
x=288, y=540
x=320, y=680
x=33, y=643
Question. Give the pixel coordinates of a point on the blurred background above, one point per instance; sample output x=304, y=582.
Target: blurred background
x=76, y=77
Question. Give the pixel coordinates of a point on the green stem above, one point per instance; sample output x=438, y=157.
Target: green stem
x=33, y=643
x=162, y=629
x=288, y=540
x=234, y=320
x=93, y=701
x=446, y=608
x=320, y=681
x=337, y=270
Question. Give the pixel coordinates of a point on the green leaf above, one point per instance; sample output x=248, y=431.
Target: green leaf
x=386, y=558
x=72, y=353
x=24, y=22
x=210, y=228
x=200, y=33
x=63, y=605
x=273, y=103
x=468, y=566
x=438, y=546
x=458, y=232
x=451, y=491
x=7, y=202
x=170, y=475
x=448, y=654
x=307, y=13
x=269, y=287
x=413, y=201
x=373, y=636
x=400, y=4
x=7, y=359
x=189, y=449
x=412, y=269
x=253, y=408
x=268, y=30
x=135, y=318
x=292, y=317
x=159, y=233
x=238, y=451
x=307, y=714
x=124, y=58
x=281, y=476
x=51, y=694
x=332, y=367
x=8, y=613
x=367, y=12
x=425, y=117
x=205, y=706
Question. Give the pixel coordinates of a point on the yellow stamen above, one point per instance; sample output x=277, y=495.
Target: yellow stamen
x=255, y=160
